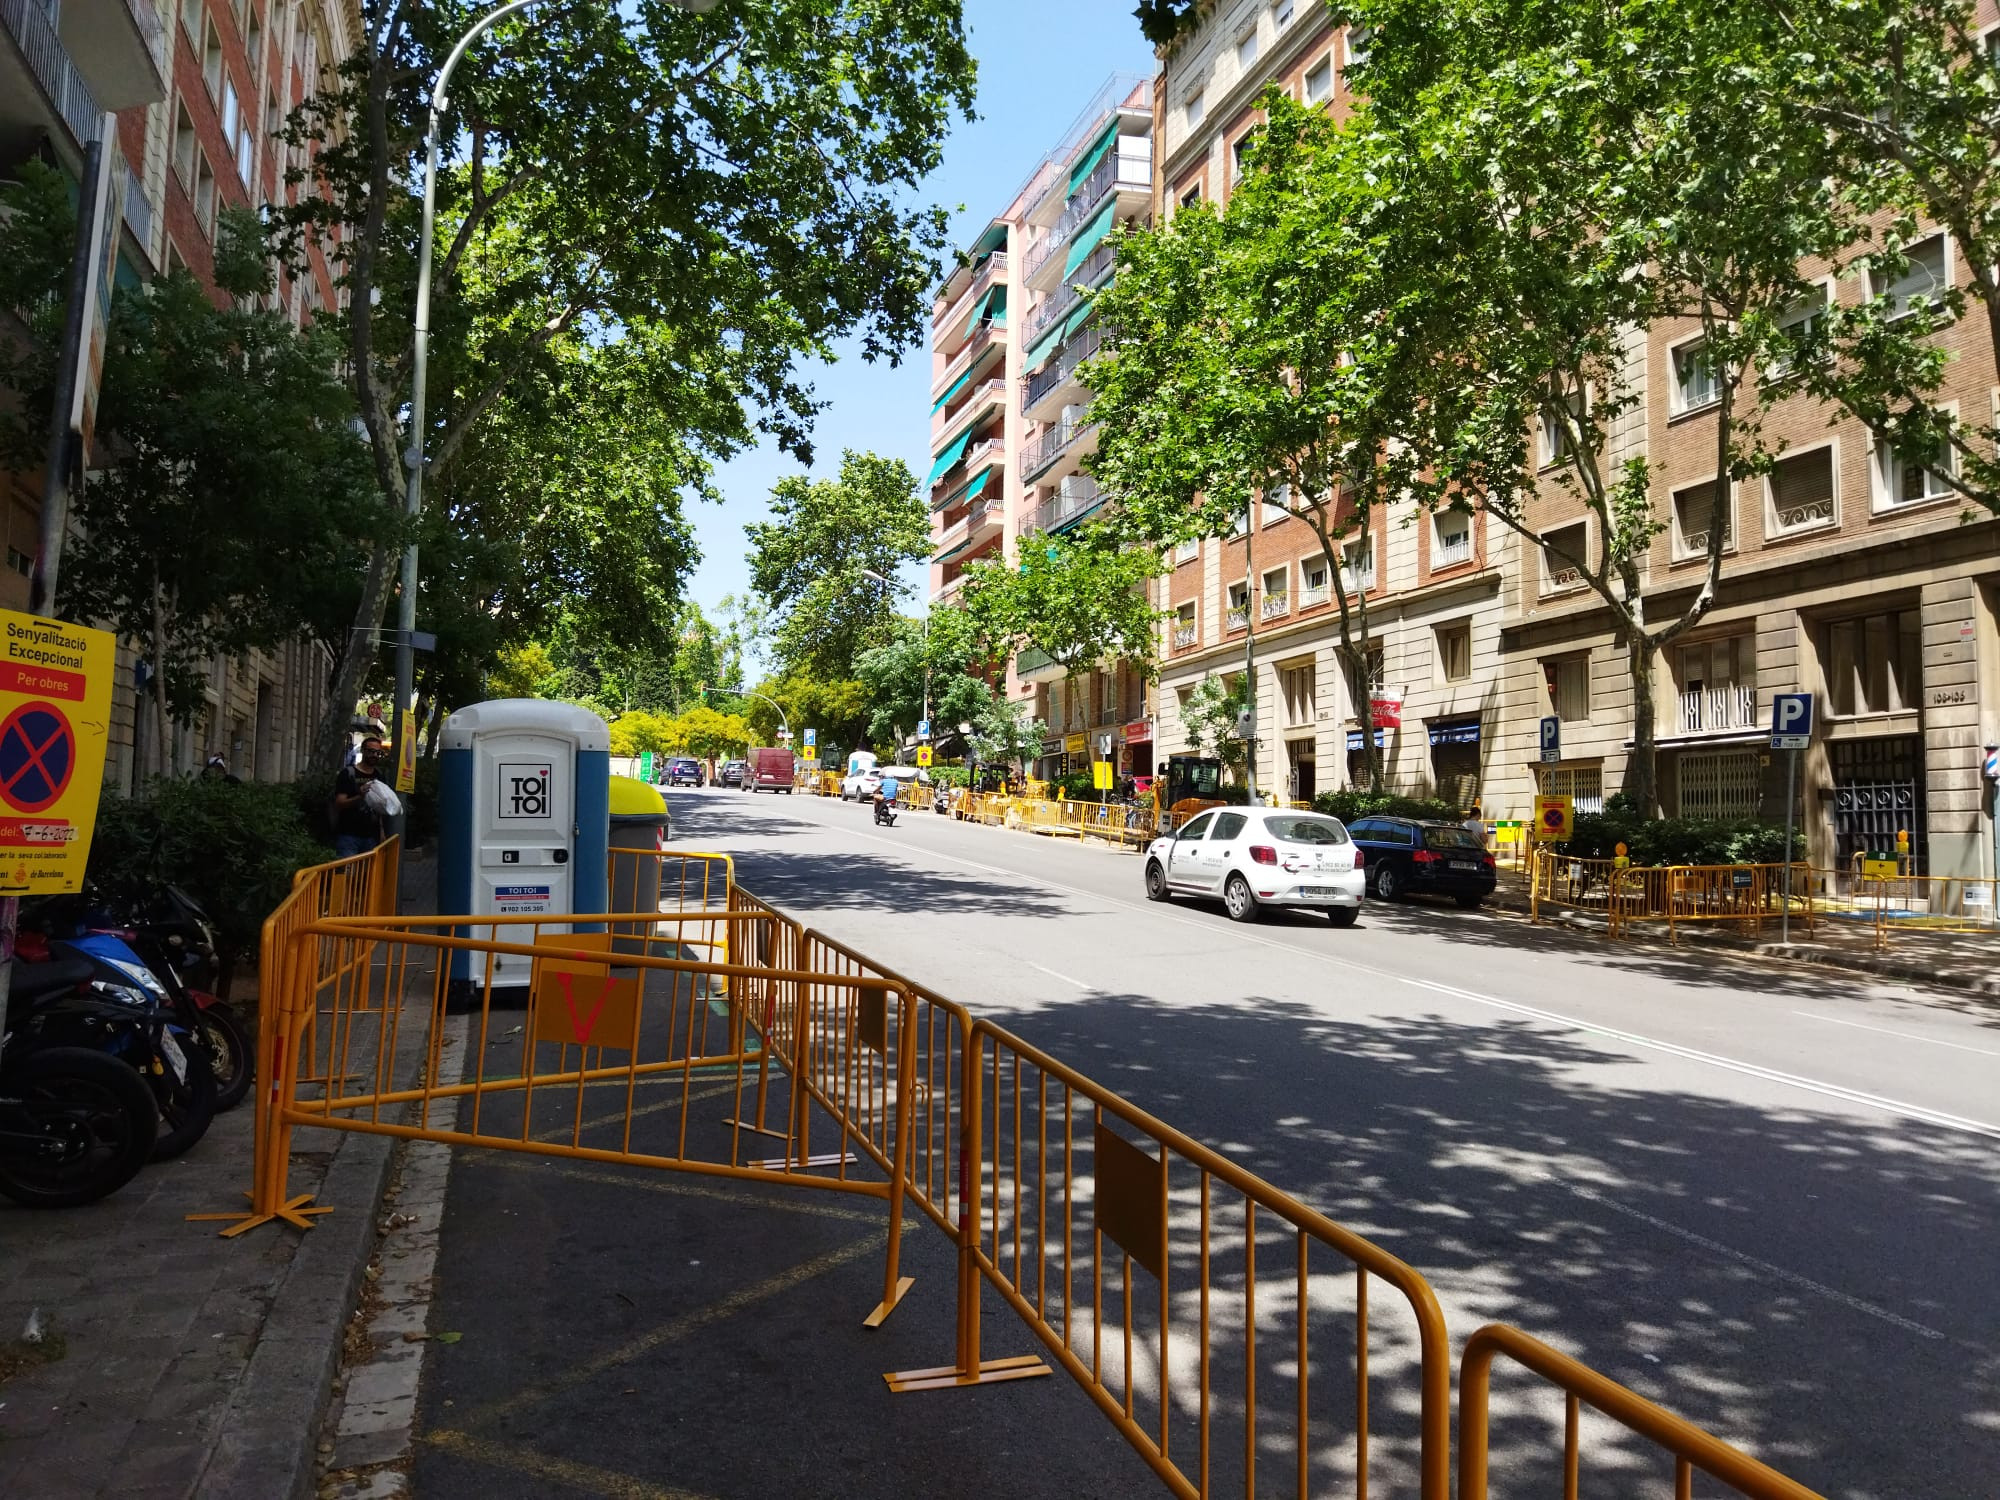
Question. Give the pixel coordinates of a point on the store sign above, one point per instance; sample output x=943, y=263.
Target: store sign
x=1077, y=744
x=1464, y=732
x=1139, y=732
x=1354, y=741
x=1386, y=710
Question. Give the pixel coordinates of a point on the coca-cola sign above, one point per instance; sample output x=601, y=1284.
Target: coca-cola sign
x=1385, y=710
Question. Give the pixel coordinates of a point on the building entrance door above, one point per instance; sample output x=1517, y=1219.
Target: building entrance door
x=1878, y=789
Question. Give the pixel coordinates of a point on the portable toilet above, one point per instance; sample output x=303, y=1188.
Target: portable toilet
x=523, y=822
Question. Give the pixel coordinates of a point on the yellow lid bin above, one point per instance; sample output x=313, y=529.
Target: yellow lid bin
x=639, y=822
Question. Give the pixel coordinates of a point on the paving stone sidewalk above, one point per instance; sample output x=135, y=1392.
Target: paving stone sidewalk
x=190, y=1366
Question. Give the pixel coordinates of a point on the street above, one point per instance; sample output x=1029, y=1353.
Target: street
x=1765, y=1198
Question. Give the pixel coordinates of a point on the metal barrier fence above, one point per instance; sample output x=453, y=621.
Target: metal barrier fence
x=1692, y=1449
x=1929, y=903
x=1676, y=896
x=1557, y=882
x=1244, y=1330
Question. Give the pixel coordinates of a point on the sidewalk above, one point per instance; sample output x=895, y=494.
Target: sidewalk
x=187, y=1365
x=1969, y=962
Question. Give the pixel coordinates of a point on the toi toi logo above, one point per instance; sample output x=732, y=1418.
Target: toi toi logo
x=524, y=791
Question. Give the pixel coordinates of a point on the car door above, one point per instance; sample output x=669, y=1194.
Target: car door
x=1184, y=859
x=1218, y=856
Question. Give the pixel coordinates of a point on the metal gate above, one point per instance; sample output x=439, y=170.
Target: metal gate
x=1878, y=790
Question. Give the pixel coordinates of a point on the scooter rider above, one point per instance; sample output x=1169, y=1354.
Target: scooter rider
x=885, y=801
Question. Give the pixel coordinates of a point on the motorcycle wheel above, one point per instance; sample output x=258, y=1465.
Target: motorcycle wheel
x=187, y=1106
x=98, y=1110
x=232, y=1054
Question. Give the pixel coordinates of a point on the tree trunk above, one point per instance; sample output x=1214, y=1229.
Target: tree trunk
x=163, y=727
x=1641, y=783
x=330, y=743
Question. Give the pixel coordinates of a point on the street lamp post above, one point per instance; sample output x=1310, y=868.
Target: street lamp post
x=413, y=457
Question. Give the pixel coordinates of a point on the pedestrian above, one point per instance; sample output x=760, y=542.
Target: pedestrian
x=357, y=824
x=1476, y=825
x=217, y=769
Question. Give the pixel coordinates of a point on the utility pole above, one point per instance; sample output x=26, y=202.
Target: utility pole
x=1250, y=649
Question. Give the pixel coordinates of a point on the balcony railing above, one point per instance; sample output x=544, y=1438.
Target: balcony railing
x=1059, y=369
x=1453, y=549
x=987, y=390
x=1116, y=168
x=981, y=280
x=1238, y=619
x=1063, y=300
x=1719, y=710
x=975, y=346
x=1308, y=597
x=1050, y=445
x=1059, y=511
x=966, y=526
x=35, y=34
x=1275, y=605
x=1185, y=636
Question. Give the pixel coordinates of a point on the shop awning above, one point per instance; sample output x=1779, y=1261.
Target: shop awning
x=1044, y=346
x=995, y=301
x=1354, y=739
x=1465, y=732
x=953, y=452
x=1087, y=237
x=1099, y=148
x=956, y=386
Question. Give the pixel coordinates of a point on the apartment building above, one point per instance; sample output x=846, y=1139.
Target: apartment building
x=198, y=88
x=1850, y=573
x=1010, y=424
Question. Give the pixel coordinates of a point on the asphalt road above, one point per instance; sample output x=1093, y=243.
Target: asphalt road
x=1767, y=1197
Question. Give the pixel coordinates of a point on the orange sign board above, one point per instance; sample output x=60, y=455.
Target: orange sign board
x=1555, y=819
x=578, y=1002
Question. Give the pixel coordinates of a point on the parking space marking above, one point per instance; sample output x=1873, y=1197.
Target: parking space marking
x=521, y=1460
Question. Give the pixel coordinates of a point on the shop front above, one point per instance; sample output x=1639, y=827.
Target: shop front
x=1136, y=758
x=1455, y=760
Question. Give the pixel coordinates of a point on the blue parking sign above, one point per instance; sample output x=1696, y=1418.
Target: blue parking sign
x=1791, y=720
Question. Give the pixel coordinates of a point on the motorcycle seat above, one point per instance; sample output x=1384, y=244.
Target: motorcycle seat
x=58, y=976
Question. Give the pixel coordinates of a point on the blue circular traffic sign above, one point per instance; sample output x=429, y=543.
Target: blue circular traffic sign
x=37, y=757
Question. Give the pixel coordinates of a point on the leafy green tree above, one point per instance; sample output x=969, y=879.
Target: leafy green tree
x=708, y=734
x=734, y=186
x=838, y=709
x=1006, y=734
x=637, y=732
x=238, y=489
x=810, y=562
x=934, y=660
x=520, y=673
x=1210, y=716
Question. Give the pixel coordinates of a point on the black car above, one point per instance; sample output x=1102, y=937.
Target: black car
x=732, y=772
x=1416, y=857
x=683, y=770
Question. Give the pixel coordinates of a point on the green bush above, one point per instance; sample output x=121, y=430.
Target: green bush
x=233, y=847
x=1351, y=804
x=1679, y=841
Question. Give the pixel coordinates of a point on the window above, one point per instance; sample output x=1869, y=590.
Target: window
x=1694, y=511
x=1695, y=385
x=1239, y=155
x=1319, y=81
x=253, y=43
x=1246, y=48
x=1357, y=568
x=1187, y=551
x=1194, y=107
x=1454, y=651
x=1227, y=826
x=1567, y=679
x=1875, y=663
x=211, y=61
x=1358, y=40
x=1451, y=539
x=1556, y=426
x=1565, y=554
x=1918, y=284
x=274, y=117
x=1312, y=581
x=1718, y=685
x=191, y=18
x=1191, y=197
x=1377, y=662
x=1277, y=504
x=1198, y=829
x=1110, y=699
x=1184, y=627
x=1584, y=785
x=204, y=195
x=1719, y=784
x=1797, y=322
x=1800, y=487
x=1299, y=698
x=1281, y=13
x=1910, y=476
x=1239, y=605
x=1240, y=522
x=23, y=539
x=1277, y=592
x=185, y=148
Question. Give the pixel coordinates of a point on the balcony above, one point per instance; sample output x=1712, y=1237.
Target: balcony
x=1452, y=550
x=1722, y=710
x=1309, y=597
x=1054, y=375
x=1121, y=169
x=120, y=46
x=1237, y=618
x=1037, y=666
x=1274, y=606
x=55, y=75
x=1060, y=302
x=1049, y=447
x=1186, y=637
x=962, y=304
x=1077, y=499
x=975, y=348
x=976, y=525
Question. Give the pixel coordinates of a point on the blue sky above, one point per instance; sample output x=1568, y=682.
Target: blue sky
x=1040, y=61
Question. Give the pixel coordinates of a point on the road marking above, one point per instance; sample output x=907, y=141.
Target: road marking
x=1908, y=1036
x=1630, y=1038
x=515, y=1161
x=1791, y=1278
x=560, y=1470
x=1054, y=975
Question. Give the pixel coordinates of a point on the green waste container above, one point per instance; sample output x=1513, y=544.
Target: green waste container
x=639, y=823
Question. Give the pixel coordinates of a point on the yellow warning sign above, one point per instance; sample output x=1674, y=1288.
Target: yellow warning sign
x=1555, y=819
x=1100, y=775
x=810, y=752
x=55, y=715
x=406, y=754
x=923, y=755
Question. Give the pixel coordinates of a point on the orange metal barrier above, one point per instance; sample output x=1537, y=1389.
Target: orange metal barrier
x=1747, y=896
x=1930, y=903
x=1691, y=1447
x=1557, y=882
x=1064, y=1181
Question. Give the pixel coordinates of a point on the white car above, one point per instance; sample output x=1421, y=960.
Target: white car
x=1253, y=857
x=865, y=784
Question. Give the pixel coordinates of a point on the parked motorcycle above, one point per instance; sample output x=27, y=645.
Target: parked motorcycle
x=76, y=1122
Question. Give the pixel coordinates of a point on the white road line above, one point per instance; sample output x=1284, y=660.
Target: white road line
x=1908, y=1036
x=1728, y=1252
x=1039, y=969
x=1630, y=1038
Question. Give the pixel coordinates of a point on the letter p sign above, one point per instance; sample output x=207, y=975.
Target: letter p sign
x=1791, y=721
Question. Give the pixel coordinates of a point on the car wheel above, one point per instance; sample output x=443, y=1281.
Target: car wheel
x=1156, y=882
x=1342, y=916
x=1387, y=885
x=1236, y=896
x=1468, y=902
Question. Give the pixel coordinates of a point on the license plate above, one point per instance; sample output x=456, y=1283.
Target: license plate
x=1319, y=890
x=1464, y=864
x=176, y=1059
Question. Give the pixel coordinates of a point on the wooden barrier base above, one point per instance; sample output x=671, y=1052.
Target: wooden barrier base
x=947, y=1377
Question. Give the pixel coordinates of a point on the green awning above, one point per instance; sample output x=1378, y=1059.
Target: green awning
x=1078, y=318
x=1045, y=346
x=971, y=492
x=1099, y=148
x=1087, y=238
x=995, y=302
x=993, y=239
x=951, y=455
x=956, y=386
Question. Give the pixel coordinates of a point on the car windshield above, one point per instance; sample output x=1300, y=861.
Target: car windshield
x=1452, y=838
x=1296, y=828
